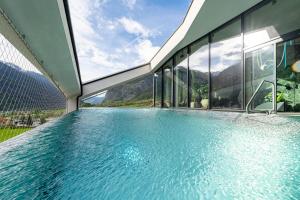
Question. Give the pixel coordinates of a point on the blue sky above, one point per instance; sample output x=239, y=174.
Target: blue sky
x=113, y=35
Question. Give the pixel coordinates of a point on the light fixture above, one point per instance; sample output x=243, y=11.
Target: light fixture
x=296, y=67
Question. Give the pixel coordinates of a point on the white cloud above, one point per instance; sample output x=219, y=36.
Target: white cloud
x=230, y=50
x=80, y=11
x=101, y=48
x=199, y=59
x=13, y=56
x=100, y=3
x=134, y=27
x=129, y=3
x=146, y=50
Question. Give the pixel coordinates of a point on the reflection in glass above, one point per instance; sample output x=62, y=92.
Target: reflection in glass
x=288, y=75
x=181, y=79
x=158, y=88
x=199, y=69
x=270, y=21
x=167, y=90
x=226, y=67
x=259, y=66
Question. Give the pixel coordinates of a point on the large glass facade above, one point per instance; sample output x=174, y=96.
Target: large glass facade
x=271, y=20
x=167, y=85
x=288, y=76
x=199, y=73
x=158, y=88
x=226, y=67
x=181, y=78
x=260, y=66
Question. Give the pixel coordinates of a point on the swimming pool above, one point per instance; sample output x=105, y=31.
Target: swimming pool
x=154, y=154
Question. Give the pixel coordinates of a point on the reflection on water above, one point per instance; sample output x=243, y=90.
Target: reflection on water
x=155, y=154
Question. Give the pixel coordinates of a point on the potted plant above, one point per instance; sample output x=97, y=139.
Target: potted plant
x=203, y=93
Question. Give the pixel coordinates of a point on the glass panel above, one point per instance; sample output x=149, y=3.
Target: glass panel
x=167, y=90
x=288, y=76
x=181, y=80
x=134, y=93
x=199, y=71
x=226, y=67
x=273, y=19
x=259, y=66
x=158, y=87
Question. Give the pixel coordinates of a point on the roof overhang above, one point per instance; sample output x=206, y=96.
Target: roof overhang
x=46, y=30
x=99, y=85
x=43, y=27
x=203, y=17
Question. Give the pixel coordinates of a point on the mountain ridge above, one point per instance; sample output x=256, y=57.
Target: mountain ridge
x=27, y=90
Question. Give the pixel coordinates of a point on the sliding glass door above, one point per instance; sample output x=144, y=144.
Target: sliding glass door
x=226, y=70
x=199, y=73
x=158, y=89
x=181, y=78
x=167, y=84
x=260, y=66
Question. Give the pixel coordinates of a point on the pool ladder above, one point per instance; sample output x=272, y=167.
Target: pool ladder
x=255, y=93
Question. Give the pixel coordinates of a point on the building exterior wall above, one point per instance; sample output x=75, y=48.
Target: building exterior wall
x=222, y=69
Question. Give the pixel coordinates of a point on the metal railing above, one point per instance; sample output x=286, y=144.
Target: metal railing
x=256, y=92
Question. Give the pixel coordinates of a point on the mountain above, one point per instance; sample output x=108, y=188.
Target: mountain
x=27, y=90
x=136, y=91
x=141, y=90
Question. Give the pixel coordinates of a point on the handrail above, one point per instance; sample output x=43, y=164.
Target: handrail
x=255, y=93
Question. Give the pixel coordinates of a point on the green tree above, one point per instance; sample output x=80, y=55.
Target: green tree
x=29, y=121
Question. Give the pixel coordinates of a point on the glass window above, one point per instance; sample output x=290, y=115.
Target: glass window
x=259, y=66
x=167, y=90
x=288, y=76
x=181, y=79
x=273, y=19
x=226, y=67
x=158, y=88
x=199, y=72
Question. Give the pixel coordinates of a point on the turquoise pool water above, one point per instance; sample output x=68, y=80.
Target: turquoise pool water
x=154, y=154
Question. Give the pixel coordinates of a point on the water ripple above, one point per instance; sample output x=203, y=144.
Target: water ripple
x=154, y=154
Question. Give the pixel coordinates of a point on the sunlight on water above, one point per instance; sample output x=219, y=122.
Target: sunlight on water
x=154, y=154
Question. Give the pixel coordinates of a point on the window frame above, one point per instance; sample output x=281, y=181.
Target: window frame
x=281, y=38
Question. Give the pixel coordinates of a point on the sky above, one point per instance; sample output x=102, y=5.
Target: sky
x=9, y=54
x=113, y=35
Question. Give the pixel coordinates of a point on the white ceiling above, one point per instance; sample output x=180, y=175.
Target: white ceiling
x=44, y=24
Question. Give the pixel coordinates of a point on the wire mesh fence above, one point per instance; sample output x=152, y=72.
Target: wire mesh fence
x=27, y=98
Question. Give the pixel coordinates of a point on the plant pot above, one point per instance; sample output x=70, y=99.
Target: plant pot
x=192, y=105
x=204, y=103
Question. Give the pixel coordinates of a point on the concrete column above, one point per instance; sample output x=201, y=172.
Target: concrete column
x=71, y=105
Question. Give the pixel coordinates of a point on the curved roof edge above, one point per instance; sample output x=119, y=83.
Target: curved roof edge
x=202, y=17
x=178, y=35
